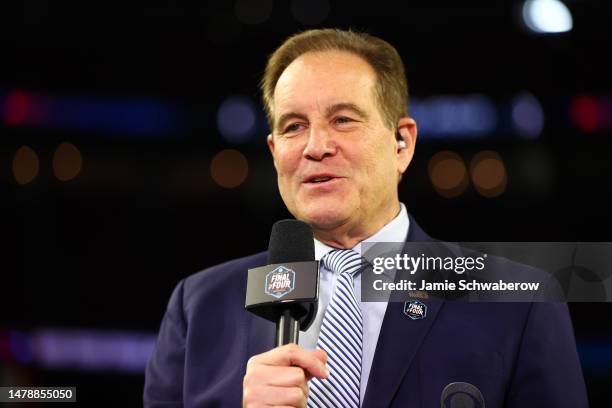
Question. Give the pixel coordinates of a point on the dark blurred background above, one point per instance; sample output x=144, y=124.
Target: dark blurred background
x=132, y=154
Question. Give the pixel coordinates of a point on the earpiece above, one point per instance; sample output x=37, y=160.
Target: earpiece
x=401, y=144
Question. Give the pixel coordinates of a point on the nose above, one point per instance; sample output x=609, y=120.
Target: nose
x=320, y=144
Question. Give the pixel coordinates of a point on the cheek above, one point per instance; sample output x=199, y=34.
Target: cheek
x=287, y=162
x=376, y=161
x=378, y=168
x=283, y=159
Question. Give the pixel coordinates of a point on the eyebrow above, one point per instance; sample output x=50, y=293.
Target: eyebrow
x=335, y=108
x=285, y=117
x=329, y=111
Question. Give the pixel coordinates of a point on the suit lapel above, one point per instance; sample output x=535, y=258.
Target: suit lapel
x=398, y=342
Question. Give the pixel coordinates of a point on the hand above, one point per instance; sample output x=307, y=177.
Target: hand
x=279, y=377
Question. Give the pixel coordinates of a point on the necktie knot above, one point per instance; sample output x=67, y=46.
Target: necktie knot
x=344, y=261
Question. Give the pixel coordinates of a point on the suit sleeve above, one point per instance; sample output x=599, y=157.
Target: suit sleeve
x=547, y=371
x=164, y=373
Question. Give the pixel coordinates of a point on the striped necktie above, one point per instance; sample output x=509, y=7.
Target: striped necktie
x=341, y=336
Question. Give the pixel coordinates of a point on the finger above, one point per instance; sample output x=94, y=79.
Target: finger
x=292, y=355
x=275, y=396
x=288, y=377
x=321, y=355
x=262, y=375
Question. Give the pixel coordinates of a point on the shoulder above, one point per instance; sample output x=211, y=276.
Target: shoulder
x=225, y=272
x=219, y=282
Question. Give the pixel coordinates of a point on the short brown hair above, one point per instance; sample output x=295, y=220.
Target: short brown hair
x=391, y=89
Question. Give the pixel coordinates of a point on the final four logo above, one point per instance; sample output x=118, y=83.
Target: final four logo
x=415, y=309
x=279, y=282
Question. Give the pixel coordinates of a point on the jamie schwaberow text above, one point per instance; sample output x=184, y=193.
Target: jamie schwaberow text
x=461, y=285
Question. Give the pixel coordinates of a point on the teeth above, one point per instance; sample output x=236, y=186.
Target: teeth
x=320, y=179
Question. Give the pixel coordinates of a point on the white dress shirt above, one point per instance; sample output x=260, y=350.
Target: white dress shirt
x=373, y=312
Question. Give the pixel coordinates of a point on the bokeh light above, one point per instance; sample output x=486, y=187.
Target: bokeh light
x=67, y=161
x=236, y=119
x=310, y=12
x=448, y=174
x=5, y=347
x=527, y=115
x=584, y=112
x=229, y=168
x=25, y=165
x=15, y=109
x=547, y=16
x=453, y=116
x=537, y=172
x=488, y=173
x=223, y=29
x=253, y=11
x=20, y=346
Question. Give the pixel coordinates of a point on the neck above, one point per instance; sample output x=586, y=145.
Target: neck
x=346, y=235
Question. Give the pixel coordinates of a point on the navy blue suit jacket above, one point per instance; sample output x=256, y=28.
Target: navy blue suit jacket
x=517, y=354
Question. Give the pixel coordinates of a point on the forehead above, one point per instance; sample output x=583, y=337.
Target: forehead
x=319, y=79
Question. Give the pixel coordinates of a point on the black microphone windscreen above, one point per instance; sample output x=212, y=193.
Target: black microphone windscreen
x=461, y=395
x=291, y=241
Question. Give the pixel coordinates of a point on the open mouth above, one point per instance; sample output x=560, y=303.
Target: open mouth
x=318, y=180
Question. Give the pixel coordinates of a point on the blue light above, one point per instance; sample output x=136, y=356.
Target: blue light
x=455, y=117
x=126, y=117
x=236, y=119
x=130, y=117
x=527, y=115
x=595, y=354
x=92, y=350
x=20, y=347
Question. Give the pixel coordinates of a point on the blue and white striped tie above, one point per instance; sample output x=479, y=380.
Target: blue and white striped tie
x=341, y=336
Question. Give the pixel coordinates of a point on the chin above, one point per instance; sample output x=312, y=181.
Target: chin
x=324, y=218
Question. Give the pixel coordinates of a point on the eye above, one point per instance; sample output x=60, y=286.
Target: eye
x=343, y=119
x=294, y=127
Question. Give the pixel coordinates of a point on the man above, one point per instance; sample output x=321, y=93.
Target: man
x=340, y=140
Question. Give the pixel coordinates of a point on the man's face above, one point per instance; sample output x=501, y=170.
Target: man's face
x=337, y=163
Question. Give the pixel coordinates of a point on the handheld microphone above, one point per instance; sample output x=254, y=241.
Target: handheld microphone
x=461, y=395
x=286, y=291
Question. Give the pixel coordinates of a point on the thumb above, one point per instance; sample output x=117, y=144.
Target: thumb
x=321, y=355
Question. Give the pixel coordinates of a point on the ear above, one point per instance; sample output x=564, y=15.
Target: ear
x=270, y=141
x=407, y=129
x=271, y=146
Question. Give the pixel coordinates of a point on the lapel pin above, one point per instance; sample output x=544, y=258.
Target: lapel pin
x=415, y=309
x=419, y=294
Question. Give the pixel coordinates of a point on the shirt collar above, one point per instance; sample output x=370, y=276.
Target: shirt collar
x=394, y=231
